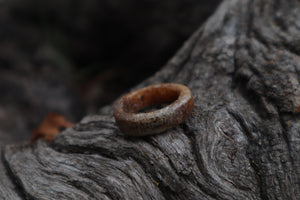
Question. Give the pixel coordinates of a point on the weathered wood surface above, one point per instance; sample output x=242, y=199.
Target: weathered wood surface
x=241, y=141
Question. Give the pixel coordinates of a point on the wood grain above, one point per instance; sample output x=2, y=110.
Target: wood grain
x=240, y=142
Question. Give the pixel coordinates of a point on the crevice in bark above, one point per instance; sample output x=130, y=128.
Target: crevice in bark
x=252, y=141
x=252, y=161
x=13, y=177
x=86, y=150
x=285, y=134
x=292, y=49
x=156, y=146
x=261, y=183
x=79, y=186
x=201, y=167
x=198, y=159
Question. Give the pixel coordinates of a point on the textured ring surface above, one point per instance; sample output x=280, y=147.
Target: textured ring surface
x=135, y=123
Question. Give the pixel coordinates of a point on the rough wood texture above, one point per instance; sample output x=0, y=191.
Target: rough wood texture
x=241, y=141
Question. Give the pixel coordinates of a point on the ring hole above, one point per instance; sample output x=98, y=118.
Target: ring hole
x=149, y=100
x=154, y=107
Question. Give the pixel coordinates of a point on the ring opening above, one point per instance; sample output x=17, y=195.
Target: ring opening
x=146, y=100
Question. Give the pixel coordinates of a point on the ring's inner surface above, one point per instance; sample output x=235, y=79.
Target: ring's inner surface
x=149, y=99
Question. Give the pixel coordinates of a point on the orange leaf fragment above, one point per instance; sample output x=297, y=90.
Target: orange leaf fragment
x=50, y=127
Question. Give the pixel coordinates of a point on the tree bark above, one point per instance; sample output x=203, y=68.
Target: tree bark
x=240, y=142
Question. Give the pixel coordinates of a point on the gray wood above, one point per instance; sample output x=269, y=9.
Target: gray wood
x=240, y=142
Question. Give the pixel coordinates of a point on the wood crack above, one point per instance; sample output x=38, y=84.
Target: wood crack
x=14, y=179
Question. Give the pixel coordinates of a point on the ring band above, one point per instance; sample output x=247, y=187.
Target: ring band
x=132, y=122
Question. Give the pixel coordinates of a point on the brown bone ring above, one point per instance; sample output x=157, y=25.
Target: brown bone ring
x=133, y=123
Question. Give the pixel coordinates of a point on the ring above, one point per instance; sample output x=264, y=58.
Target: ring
x=133, y=121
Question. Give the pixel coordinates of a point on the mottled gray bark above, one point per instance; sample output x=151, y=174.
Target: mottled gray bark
x=240, y=142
